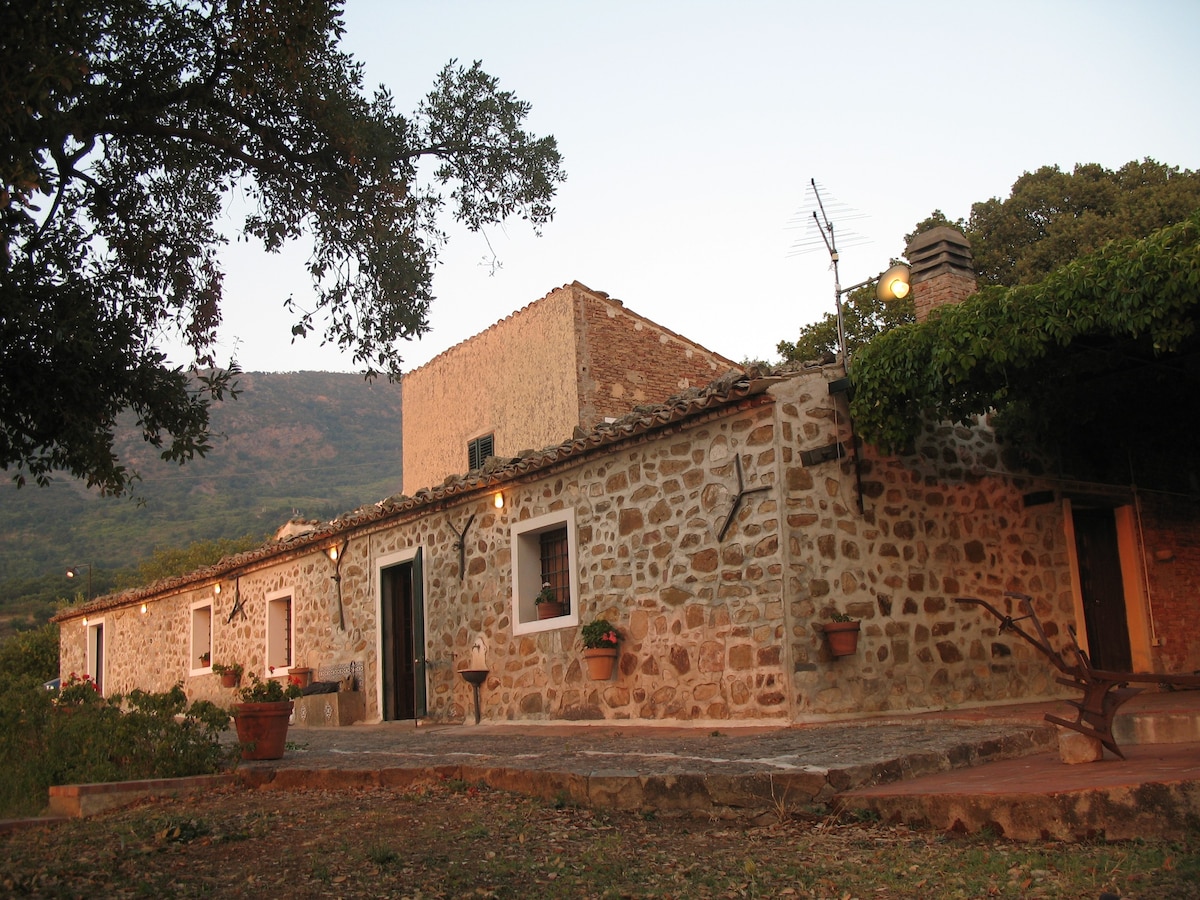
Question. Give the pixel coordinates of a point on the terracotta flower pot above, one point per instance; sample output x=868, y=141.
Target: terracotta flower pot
x=301, y=675
x=230, y=680
x=262, y=728
x=600, y=661
x=550, y=610
x=842, y=637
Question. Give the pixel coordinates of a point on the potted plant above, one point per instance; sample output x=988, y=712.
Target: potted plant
x=205, y=659
x=548, y=604
x=301, y=676
x=600, y=640
x=231, y=676
x=842, y=634
x=262, y=717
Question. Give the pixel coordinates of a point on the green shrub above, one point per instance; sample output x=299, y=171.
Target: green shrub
x=76, y=736
x=33, y=652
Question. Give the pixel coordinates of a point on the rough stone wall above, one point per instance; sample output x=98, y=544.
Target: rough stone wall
x=702, y=626
x=714, y=630
x=1172, y=552
x=935, y=526
x=516, y=380
x=627, y=360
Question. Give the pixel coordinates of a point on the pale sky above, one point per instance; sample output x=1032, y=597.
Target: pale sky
x=690, y=131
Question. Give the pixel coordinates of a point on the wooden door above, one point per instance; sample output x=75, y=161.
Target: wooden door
x=1102, y=589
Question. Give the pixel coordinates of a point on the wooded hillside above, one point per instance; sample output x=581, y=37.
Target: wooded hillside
x=313, y=444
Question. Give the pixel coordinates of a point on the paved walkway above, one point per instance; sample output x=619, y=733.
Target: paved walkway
x=753, y=771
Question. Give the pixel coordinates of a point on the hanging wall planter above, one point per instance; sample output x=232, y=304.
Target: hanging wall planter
x=600, y=662
x=600, y=639
x=842, y=637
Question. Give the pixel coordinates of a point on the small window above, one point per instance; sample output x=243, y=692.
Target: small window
x=478, y=451
x=280, y=634
x=544, y=552
x=200, y=661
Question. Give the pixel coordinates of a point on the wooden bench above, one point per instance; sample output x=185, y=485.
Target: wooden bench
x=343, y=707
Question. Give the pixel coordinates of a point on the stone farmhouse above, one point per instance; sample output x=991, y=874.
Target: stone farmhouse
x=718, y=530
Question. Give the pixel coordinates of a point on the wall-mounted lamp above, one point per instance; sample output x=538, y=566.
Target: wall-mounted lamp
x=85, y=621
x=893, y=284
x=217, y=588
x=336, y=554
x=498, y=500
x=75, y=571
x=145, y=609
x=889, y=286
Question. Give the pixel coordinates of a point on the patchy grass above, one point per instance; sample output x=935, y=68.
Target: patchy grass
x=446, y=840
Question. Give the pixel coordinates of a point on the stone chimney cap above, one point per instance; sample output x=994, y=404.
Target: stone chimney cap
x=937, y=235
x=940, y=249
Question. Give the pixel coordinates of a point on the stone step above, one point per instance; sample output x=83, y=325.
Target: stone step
x=1157, y=727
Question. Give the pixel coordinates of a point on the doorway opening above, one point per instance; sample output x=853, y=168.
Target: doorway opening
x=402, y=640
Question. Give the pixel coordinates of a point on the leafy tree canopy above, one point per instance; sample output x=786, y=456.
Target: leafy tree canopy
x=1100, y=359
x=127, y=126
x=864, y=316
x=1050, y=218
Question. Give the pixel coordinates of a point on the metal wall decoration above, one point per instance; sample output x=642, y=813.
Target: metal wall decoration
x=742, y=493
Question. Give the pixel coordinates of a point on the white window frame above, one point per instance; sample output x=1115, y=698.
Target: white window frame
x=274, y=635
x=200, y=629
x=527, y=572
x=99, y=674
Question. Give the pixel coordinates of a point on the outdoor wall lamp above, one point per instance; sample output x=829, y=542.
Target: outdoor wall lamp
x=893, y=284
x=498, y=500
x=145, y=609
x=890, y=285
x=336, y=555
x=74, y=572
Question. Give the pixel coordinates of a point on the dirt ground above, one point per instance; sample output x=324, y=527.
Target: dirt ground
x=455, y=840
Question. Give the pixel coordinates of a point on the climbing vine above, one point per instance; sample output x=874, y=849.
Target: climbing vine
x=1055, y=355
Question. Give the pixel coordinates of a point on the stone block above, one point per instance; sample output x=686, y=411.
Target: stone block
x=329, y=710
x=1074, y=748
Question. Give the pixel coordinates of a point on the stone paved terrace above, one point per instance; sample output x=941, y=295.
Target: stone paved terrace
x=994, y=767
x=751, y=771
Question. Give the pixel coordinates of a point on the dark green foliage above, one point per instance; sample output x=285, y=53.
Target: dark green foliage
x=600, y=633
x=75, y=736
x=32, y=654
x=272, y=690
x=1098, y=361
x=126, y=126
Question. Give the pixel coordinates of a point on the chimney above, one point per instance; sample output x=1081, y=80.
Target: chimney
x=942, y=269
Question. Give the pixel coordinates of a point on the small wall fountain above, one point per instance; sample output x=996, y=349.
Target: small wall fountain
x=477, y=674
